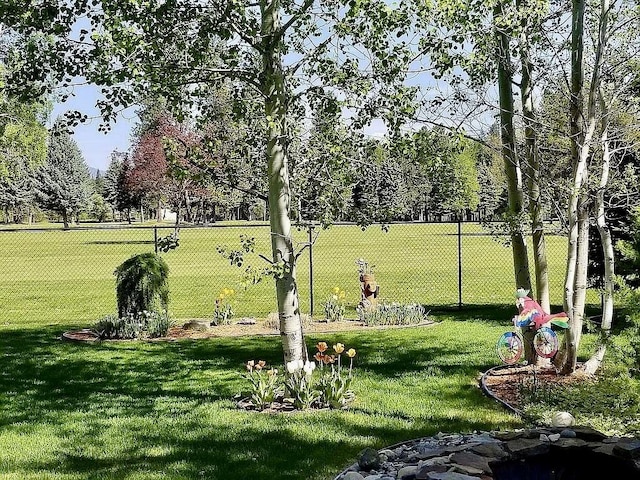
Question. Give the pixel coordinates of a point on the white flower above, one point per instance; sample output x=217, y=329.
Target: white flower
x=292, y=366
x=309, y=367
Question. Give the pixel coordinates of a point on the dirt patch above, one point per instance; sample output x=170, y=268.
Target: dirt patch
x=199, y=329
x=506, y=383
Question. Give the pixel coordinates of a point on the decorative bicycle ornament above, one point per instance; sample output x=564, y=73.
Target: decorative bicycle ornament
x=510, y=345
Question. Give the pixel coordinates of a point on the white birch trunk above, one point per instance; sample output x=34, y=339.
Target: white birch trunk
x=583, y=126
x=273, y=89
x=594, y=363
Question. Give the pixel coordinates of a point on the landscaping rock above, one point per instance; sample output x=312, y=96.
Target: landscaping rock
x=369, y=459
x=471, y=456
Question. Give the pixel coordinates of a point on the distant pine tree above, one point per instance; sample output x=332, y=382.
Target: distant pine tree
x=63, y=183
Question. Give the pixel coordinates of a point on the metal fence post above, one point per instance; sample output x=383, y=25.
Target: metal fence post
x=311, y=268
x=155, y=239
x=459, y=263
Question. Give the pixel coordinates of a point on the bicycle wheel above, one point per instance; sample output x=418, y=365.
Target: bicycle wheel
x=545, y=342
x=509, y=348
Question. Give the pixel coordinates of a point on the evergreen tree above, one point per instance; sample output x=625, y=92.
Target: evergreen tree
x=63, y=184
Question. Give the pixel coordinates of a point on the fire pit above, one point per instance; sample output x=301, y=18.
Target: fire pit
x=575, y=453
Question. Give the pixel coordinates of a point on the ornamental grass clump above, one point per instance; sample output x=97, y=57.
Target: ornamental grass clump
x=334, y=306
x=139, y=325
x=393, y=314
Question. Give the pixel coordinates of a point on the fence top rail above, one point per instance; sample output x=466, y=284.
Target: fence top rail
x=304, y=224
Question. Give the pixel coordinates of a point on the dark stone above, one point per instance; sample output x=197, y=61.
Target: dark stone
x=369, y=459
x=589, y=434
x=423, y=473
x=568, y=433
x=197, y=325
x=629, y=450
x=527, y=447
x=472, y=460
x=427, y=453
x=490, y=450
x=603, y=448
x=565, y=443
x=507, y=436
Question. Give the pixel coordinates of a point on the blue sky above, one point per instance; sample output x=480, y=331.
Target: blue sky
x=97, y=146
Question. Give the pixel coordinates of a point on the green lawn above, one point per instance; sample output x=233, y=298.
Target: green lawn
x=59, y=277
x=164, y=410
x=151, y=410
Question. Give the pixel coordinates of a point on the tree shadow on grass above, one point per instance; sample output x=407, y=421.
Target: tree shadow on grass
x=163, y=409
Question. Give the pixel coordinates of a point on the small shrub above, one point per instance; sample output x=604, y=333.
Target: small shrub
x=141, y=284
x=109, y=326
x=393, y=314
x=157, y=324
x=141, y=325
x=170, y=242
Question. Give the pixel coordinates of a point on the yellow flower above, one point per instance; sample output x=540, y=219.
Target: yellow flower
x=338, y=348
x=322, y=347
x=342, y=295
x=336, y=290
x=231, y=291
x=351, y=353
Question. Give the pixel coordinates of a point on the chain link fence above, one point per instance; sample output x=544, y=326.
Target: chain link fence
x=66, y=276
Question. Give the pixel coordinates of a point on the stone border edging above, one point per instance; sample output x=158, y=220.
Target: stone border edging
x=487, y=391
x=490, y=455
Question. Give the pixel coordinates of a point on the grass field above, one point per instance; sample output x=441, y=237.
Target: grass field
x=60, y=277
x=164, y=410
x=143, y=410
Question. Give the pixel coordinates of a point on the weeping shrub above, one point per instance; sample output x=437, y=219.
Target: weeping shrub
x=142, y=285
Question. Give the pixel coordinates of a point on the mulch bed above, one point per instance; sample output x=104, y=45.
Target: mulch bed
x=239, y=329
x=505, y=383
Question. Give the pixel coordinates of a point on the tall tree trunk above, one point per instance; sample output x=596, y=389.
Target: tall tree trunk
x=583, y=127
x=159, y=216
x=603, y=229
x=579, y=175
x=593, y=364
x=509, y=154
x=65, y=218
x=533, y=166
x=274, y=92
